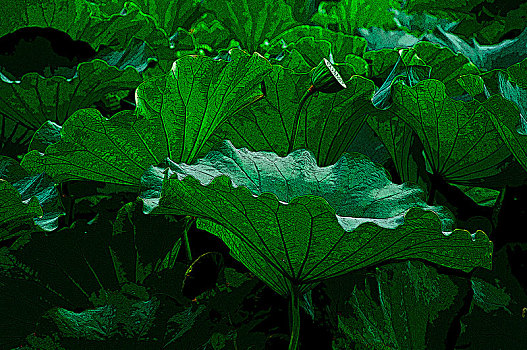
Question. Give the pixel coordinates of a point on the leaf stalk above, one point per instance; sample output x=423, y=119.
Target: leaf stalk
x=295, y=316
x=189, y=222
x=308, y=93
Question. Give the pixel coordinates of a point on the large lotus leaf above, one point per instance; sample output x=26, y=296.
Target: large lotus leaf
x=349, y=15
x=251, y=22
x=341, y=44
x=460, y=142
x=175, y=115
x=290, y=221
x=83, y=20
x=327, y=125
x=409, y=298
x=29, y=103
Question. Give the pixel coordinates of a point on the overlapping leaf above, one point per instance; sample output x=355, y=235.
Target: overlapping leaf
x=137, y=54
x=31, y=186
x=485, y=57
x=61, y=269
x=291, y=222
x=83, y=20
x=341, y=45
x=409, y=68
x=251, y=22
x=400, y=141
x=206, y=36
x=496, y=315
x=175, y=116
x=381, y=39
x=47, y=134
x=13, y=211
x=169, y=15
x=327, y=126
x=508, y=129
x=121, y=317
x=460, y=142
x=511, y=85
x=306, y=53
x=127, y=317
x=34, y=100
x=410, y=297
x=349, y=15
x=220, y=316
x=477, y=20
x=131, y=246
x=444, y=64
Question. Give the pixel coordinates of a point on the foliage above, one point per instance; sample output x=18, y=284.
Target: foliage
x=219, y=114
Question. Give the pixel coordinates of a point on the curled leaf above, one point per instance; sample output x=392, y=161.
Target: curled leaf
x=294, y=223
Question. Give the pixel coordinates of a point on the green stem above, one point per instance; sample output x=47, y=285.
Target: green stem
x=308, y=93
x=189, y=219
x=497, y=206
x=434, y=179
x=431, y=194
x=68, y=202
x=295, y=315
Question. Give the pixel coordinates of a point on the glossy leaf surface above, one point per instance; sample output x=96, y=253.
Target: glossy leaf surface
x=291, y=222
